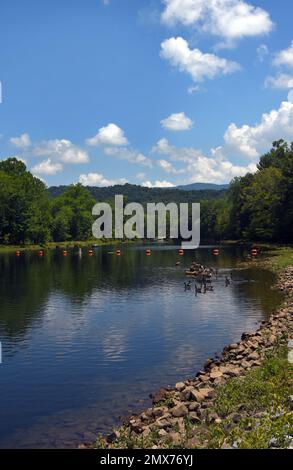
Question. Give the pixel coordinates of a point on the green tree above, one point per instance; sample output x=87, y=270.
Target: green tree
x=25, y=215
x=72, y=219
x=263, y=199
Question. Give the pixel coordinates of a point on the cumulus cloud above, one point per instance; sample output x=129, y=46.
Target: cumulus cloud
x=199, y=65
x=280, y=81
x=158, y=184
x=131, y=155
x=285, y=57
x=109, y=135
x=47, y=167
x=177, y=122
x=22, y=142
x=169, y=168
x=250, y=141
x=166, y=166
x=62, y=150
x=229, y=19
x=96, y=179
x=199, y=167
x=284, y=61
x=176, y=154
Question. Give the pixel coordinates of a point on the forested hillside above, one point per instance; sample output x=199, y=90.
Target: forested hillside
x=256, y=207
x=134, y=193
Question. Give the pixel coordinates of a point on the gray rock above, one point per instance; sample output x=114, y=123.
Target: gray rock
x=180, y=411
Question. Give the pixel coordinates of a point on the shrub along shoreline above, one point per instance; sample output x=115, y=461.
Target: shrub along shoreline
x=244, y=399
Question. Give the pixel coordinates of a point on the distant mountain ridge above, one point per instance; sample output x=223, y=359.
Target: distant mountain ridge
x=135, y=193
x=203, y=186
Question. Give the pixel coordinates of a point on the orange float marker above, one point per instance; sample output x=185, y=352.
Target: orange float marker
x=148, y=252
x=17, y=253
x=254, y=252
x=216, y=252
x=181, y=252
x=118, y=252
x=65, y=253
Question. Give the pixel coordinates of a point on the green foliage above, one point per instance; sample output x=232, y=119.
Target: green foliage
x=24, y=211
x=256, y=207
x=134, y=193
x=261, y=204
x=71, y=213
x=27, y=215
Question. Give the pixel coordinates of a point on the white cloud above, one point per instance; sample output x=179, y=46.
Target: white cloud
x=280, y=81
x=22, y=142
x=230, y=19
x=131, y=155
x=199, y=167
x=61, y=150
x=262, y=52
x=250, y=141
x=176, y=154
x=141, y=176
x=109, y=135
x=285, y=57
x=283, y=60
x=47, y=167
x=177, y=122
x=158, y=184
x=96, y=179
x=199, y=65
x=193, y=89
x=169, y=168
x=166, y=166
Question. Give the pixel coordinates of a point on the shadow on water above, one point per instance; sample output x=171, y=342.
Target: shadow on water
x=86, y=339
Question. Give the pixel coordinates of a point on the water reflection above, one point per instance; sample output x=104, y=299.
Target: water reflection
x=86, y=339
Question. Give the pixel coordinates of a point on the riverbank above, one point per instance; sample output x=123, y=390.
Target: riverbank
x=241, y=400
x=68, y=244
x=272, y=257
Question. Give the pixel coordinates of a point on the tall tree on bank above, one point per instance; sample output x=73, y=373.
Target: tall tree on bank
x=72, y=219
x=262, y=206
x=24, y=208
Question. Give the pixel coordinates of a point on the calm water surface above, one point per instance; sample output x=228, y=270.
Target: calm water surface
x=86, y=339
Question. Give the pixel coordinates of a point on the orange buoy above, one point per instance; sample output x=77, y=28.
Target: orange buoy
x=181, y=252
x=91, y=252
x=216, y=252
x=40, y=253
x=118, y=252
x=18, y=253
x=148, y=252
x=64, y=253
x=254, y=252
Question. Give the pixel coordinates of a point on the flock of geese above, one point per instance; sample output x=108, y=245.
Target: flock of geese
x=203, y=278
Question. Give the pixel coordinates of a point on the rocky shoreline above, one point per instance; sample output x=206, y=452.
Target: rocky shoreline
x=164, y=424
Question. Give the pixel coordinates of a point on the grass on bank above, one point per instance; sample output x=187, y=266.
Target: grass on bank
x=255, y=412
x=280, y=258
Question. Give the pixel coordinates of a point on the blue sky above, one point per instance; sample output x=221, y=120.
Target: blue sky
x=151, y=92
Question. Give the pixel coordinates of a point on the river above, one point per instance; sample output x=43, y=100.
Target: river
x=86, y=339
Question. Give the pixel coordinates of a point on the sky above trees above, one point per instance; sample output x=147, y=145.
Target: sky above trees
x=155, y=92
